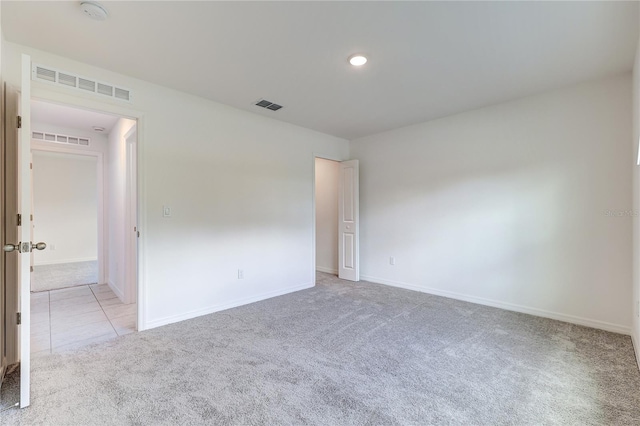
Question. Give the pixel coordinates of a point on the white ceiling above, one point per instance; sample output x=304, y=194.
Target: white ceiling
x=426, y=59
x=60, y=115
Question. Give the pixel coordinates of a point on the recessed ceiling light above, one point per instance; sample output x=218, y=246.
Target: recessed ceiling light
x=98, y=129
x=94, y=10
x=357, y=60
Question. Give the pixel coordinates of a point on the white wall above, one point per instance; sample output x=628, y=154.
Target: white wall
x=506, y=205
x=116, y=172
x=65, y=207
x=327, y=176
x=240, y=186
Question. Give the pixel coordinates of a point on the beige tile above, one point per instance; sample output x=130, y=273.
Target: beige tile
x=73, y=301
x=110, y=302
x=40, y=354
x=104, y=293
x=101, y=289
x=69, y=311
x=81, y=333
x=83, y=343
x=120, y=310
x=40, y=327
x=42, y=296
x=70, y=292
x=40, y=308
x=39, y=317
x=62, y=323
x=40, y=342
x=107, y=296
x=125, y=324
x=98, y=286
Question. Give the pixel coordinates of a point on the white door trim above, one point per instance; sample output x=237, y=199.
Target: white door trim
x=313, y=208
x=131, y=217
x=44, y=93
x=102, y=231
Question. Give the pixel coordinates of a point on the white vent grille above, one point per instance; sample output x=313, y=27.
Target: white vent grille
x=84, y=84
x=65, y=139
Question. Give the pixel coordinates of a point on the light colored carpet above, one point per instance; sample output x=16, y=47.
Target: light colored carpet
x=63, y=275
x=345, y=353
x=10, y=390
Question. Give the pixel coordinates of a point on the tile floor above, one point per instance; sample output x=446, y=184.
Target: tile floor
x=70, y=318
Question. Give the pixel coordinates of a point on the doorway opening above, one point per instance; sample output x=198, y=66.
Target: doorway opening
x=65, y=214
x=336, y=218
x=327, y=177
x=84, y=283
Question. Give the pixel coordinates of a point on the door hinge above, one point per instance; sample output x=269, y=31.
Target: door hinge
x=19, y=318
x=19, y=219
x=31, y=268
x=19, y=123
x=31, y=217
x=31, y=166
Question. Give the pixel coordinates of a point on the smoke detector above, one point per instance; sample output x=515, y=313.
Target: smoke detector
x=94, y=10
x=98, y=129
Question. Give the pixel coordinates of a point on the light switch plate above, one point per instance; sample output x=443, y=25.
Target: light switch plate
x=166, y=211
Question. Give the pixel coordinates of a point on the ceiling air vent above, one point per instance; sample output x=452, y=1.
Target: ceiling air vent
x=84, y=84
x=65, y=139
x=268, y=105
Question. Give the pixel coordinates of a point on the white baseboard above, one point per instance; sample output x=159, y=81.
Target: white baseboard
x=635, y=349
x=58, y=262
x=327, y=270
x=602, y=325
x=116, y=290
x=224, y=306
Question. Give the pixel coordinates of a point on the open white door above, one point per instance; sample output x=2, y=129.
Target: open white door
x=17, y=236
x=24, y=191
x=348, y=222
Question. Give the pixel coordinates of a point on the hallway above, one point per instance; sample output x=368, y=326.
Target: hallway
x=71, y=318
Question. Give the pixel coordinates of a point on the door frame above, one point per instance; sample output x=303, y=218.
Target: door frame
x=313, y=209
x=3, y=358
x=101, y=211
x=42, y=93
x=131, y=215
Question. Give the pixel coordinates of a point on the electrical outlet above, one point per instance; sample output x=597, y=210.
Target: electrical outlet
x=240, y=274
x=392, y=261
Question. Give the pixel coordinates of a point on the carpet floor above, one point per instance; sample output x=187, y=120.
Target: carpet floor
x=63, y=275
x=344, y=353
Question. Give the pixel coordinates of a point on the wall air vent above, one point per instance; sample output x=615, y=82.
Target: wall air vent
x=83, y=84
x=268, y=105
x=65, y=139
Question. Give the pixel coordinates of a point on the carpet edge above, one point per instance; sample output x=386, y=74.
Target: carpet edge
x=224, y=306
x=601, y=325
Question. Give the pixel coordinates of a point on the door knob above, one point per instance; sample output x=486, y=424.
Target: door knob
x=38, y=246
x=11, y=247
x=24, y=247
